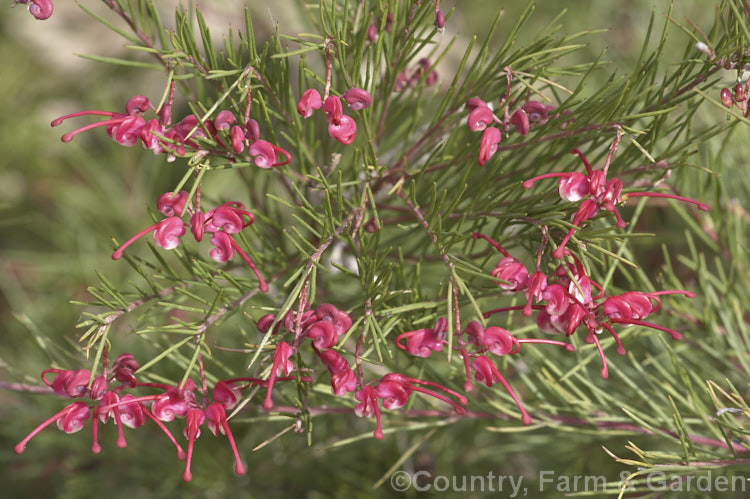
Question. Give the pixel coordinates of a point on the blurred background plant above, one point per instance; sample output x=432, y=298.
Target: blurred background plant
x=62, y=203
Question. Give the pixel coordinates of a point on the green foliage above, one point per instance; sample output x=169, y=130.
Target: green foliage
x=382, y=229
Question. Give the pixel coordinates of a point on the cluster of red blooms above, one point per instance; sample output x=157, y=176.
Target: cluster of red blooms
x=596, y=193
x=41, y=9
x=324, y=326
x=221, y=222
x=481, y=341
x=738, y=98
x=126, y=409
x=340, y=126
x=156, y=134
x=564, y=300
x=481, y=117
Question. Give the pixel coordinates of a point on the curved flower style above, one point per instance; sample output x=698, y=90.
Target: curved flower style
x=479, y=118
x=225, y=248
x=368, y=407
x=167, y=235
x=125, y=129
x=395, y=390
x=217, y=423
x=267, y=155
x=486, y=372
x=596, y=192
x=323, y=334
x=281, y=364
x=70, y=420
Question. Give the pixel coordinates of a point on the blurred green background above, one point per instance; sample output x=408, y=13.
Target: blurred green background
x=60, y=205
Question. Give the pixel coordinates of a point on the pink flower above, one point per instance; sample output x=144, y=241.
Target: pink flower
x=368, y=407
x=238, y=139
x=225, y=248
x=252, y=130
x=281, y=364
x=195, y=418
x=217, y=423
x=41, y=9
x=521, y=120
x=475, y=102
x=574, y=187
x=197, y=225
x=508, y=269
x=486, y=372
x=537, y=285
x=422, y=342
x=344, y=131
x=150, y=136
x=439, y=20
x=537, y=111
x=394, y=389
x=124, y=369
x=68, y=384
x=170, y=204
x=557, y=299
x=174, y=402
x=70, y=420
x=333, y=109
x=357, y=98
x=596, y=192
x=340, y=319
x=310, y=100
x=224, y=120
x=479, y=118
x=226, y=393
x=167, y=235
x=229, y=217
x=267, y=155
x=323, y=334
x=488, y=145
x=125, y=129
x=343, y=382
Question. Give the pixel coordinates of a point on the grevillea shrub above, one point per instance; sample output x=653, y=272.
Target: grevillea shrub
x=379, y=232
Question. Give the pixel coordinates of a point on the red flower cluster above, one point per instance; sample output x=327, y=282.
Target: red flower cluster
x=126, y=409
x=221, y=222
x=129, y=128
x=564, y=301
x=596, y=193
x=393, y=391
x=340, y=126
x=323, y=326
x=481, y=117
